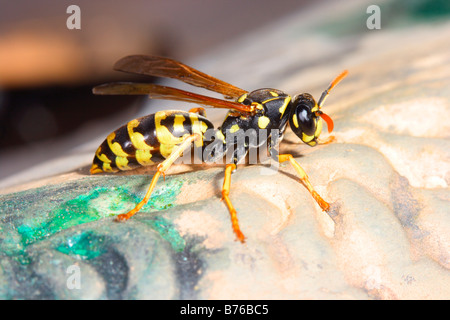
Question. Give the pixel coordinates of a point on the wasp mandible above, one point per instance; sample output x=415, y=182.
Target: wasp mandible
x=161, y=138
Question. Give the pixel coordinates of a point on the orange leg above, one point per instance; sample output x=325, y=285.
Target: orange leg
x=162, y=168
x=328, y=140
x=304, y=178
x=225, y=196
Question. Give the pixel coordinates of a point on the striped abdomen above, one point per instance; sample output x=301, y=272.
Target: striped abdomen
x=148, y=140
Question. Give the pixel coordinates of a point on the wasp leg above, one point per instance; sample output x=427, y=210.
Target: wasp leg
x=328, y=140
x=162, y=168
x=200, y=111
x=225, y=196
x=304, y=178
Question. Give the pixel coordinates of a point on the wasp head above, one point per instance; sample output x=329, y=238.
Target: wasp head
x=305, y=118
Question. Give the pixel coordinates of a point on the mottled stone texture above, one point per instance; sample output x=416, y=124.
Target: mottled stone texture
x=387, y=176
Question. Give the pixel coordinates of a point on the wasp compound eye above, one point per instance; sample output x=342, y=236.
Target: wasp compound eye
x=306, y=119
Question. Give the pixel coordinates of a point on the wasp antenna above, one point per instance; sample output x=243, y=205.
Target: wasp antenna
x=328, y=120
x=331, y=86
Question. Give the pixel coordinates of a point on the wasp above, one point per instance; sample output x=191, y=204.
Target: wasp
x=161, y=138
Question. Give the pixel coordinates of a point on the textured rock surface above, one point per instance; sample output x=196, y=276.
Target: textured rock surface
x=387, y=176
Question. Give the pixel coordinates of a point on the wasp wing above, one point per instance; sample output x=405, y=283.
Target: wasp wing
x=155, y=91
x=165, y=67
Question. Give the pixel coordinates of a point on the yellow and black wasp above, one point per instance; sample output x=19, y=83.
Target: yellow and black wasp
x=161, y=138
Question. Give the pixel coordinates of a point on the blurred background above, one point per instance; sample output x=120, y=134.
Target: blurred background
x=47, y=71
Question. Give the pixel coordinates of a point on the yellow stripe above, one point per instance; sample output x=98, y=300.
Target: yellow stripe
x=115, y=147
x=257, y=105
x=204, y=127
x=163, y=134
x=318, y=127
x=283, y=107
x=198, y=127
x=166, y=149
x=102, y=156
x=95, y=169
x=137, y=139
x=220, y=135
x=295, y=120
x=242, y=98
x=234, y=128
x=315, y=108
x=306, y=138
x=178, y=123
x=122, y=163
x=107, y=168
x=143, y=157
x=263, y=122
x=273, y=93
x=268, y=100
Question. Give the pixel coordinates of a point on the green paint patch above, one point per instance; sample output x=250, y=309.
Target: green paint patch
x=84, y=246
x=394, y=14
x=11, y=246
x=163, y=197
x=168, y=232
x=97, y=204
x=422, y=9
